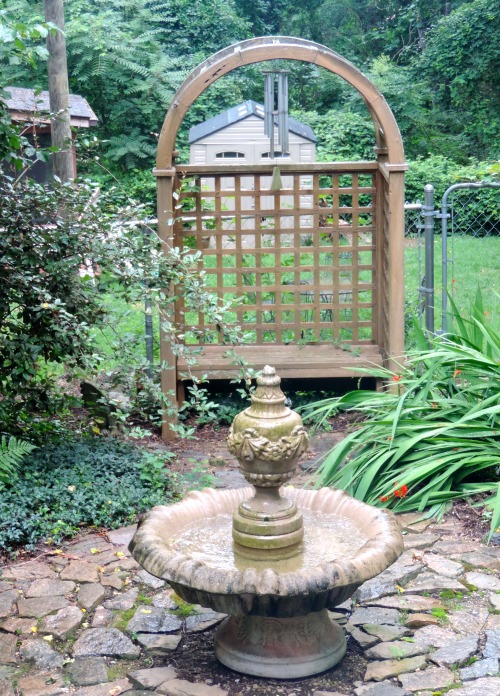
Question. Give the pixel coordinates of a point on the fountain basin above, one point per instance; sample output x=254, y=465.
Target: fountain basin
x=270, y=600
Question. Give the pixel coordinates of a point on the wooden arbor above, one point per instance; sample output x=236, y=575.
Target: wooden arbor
x=318, y=274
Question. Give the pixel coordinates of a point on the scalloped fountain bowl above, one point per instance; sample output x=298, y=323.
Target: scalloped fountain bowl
x=278, y=624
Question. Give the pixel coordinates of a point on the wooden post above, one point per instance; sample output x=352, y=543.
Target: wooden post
x=396, y=338
x=168, y=360
x=63, y=164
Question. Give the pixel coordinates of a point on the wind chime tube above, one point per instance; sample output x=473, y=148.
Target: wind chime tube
x=268, y=110
x=283, y=112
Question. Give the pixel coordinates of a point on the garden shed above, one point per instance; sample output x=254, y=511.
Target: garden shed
x=321, y=278
x=237, y=136
x=31, y=110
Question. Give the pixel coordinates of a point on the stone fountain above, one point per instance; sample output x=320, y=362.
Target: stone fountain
x=274, y=559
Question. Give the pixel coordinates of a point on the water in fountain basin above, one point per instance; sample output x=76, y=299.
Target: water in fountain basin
x=326, y=538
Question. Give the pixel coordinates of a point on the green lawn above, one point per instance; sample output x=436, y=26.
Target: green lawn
x=477, y=263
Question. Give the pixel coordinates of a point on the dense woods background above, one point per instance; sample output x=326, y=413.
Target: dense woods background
x=437, y=63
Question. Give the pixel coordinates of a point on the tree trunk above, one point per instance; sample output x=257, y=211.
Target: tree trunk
x=62, y=161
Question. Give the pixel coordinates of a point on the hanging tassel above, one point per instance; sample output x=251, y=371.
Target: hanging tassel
x=276, y=183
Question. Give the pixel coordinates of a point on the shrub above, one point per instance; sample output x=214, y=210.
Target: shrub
x=81, y=482
x=46, y=307
x=435, y=440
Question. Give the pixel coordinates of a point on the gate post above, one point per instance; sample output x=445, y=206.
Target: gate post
x=427, y=286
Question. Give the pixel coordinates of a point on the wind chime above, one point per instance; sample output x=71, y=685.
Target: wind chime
x=276, y=104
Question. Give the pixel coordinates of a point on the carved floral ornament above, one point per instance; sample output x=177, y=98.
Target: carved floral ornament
x=248, y=445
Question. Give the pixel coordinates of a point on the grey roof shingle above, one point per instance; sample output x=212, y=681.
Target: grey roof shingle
x=23, y=99
x=240, y=112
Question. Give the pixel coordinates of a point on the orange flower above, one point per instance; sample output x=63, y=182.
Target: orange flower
x=456, y=373
x=384, y=498
x=396, y=378
x=401, y=492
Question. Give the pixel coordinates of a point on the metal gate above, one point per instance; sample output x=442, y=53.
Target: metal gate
x=458, y=215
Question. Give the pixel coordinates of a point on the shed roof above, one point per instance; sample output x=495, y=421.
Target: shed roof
x=239, y=113
x=23, y=101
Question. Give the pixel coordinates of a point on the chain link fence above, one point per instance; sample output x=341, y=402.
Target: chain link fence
x=467, y=210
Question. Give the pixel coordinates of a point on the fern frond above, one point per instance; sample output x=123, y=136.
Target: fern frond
x=12, y=452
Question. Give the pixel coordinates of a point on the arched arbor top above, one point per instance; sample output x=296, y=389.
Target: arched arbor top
x=387, y=135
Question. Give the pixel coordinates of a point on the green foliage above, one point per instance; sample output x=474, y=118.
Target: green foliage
x=184, y=609
x=460, y=60
x=265, y=16
x=434, y=440
x=80, y=482
x=12, y=453
x=21, y=41
x=133, y=60
x=409, y=99
x=46, y=306
x=436, y=63
x=341, y=135
x=439, y=613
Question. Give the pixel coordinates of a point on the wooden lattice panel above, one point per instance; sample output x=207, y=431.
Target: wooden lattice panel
x=302, y=260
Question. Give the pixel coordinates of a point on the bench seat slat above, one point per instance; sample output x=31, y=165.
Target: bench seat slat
x=290, y=361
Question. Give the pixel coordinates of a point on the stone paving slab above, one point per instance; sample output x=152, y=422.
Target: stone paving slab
x=482, y=668
x=48, y=587
x=63, y=623
x=44, y=684
x=456, y=653
x=383, y=669
x=489, y=686
x=434, y=679
x=105, y=641
x=87, y=671
x=41, y=606
x=8, y=644
x=7, y=602
x=80, y=571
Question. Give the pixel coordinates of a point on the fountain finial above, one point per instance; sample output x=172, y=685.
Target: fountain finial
x=268, y=377
x=268, y=439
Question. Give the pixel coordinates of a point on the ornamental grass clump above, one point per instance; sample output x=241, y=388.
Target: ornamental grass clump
x=435, y=436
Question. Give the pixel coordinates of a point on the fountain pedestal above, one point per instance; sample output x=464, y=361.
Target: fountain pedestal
x=280, y=648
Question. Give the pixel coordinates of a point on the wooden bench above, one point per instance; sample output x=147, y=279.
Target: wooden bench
x=291, y=362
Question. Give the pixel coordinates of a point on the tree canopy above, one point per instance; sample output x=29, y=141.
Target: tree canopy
x=437, y=64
